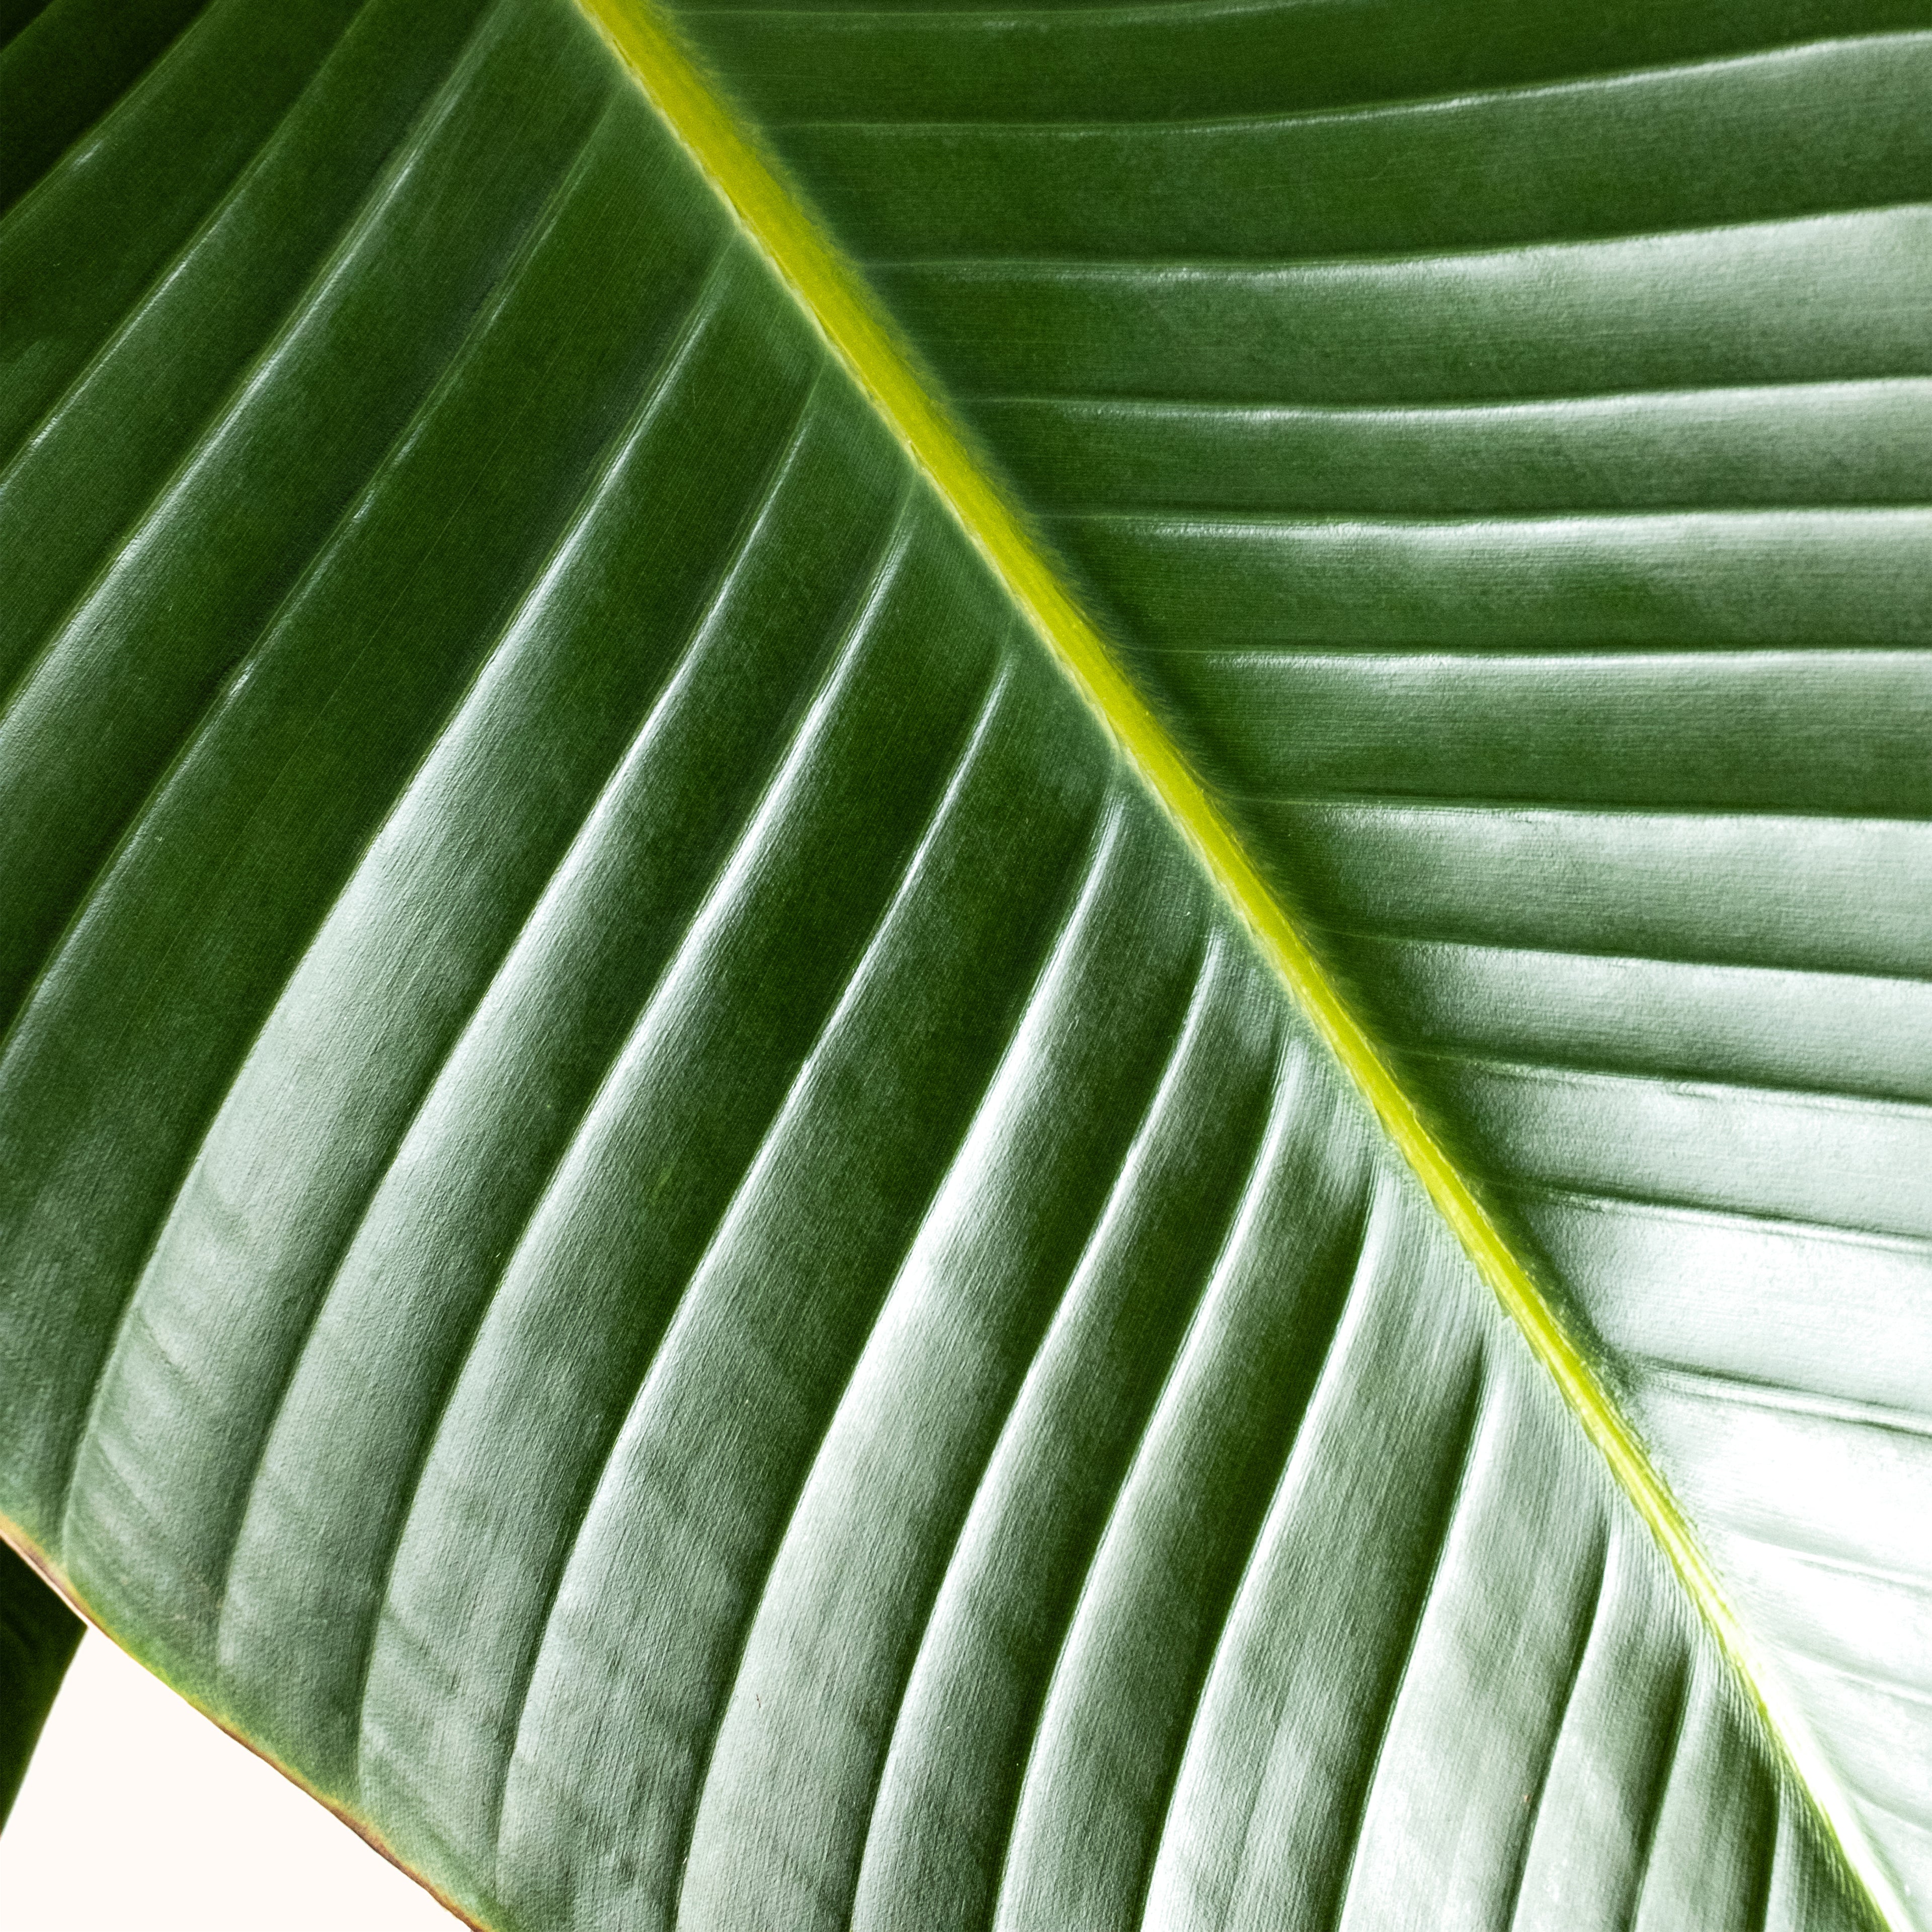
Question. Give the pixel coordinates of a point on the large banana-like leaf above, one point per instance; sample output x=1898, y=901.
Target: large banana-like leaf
x=1503, y=436
x=675, y=1214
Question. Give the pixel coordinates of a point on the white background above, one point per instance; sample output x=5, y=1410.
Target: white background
x=137, y=1812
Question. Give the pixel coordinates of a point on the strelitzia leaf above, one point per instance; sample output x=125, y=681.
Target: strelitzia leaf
x=691, y=1204
x=1518, y=502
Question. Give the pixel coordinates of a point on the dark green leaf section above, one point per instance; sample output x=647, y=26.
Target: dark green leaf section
x=1502, y=438
x=62, y=65
x=1155, y=62
x=651, y=1225
x=38, y=1636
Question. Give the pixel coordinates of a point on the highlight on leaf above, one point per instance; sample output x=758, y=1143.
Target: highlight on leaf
x=967, y=969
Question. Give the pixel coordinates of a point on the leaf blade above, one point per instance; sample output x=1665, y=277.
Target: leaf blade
x=464, y=1615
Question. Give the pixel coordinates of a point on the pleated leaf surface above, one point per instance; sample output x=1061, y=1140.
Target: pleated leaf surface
x=654, y=1224
x=1501, y=437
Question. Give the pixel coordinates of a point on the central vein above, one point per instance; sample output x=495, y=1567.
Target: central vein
x=836, y=301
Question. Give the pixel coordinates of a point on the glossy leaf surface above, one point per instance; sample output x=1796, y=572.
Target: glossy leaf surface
x=1504, y=442
x=653, y=1222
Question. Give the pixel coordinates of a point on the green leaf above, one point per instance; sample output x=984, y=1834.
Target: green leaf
x=675, y=1212
x=1508, y=464
x=38, y=1635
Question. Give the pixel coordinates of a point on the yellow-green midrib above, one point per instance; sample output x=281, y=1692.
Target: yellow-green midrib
x=834, y=298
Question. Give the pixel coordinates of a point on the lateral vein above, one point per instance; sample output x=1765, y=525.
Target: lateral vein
x=845, y=314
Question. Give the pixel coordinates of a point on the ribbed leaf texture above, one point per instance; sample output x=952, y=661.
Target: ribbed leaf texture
x=1503, y=436
x=654, y=1223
